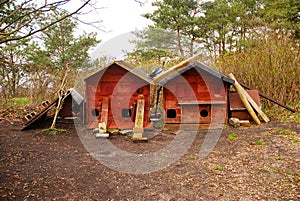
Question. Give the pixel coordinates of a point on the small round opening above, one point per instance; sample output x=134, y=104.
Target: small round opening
x=204, y=113
x=95, y=112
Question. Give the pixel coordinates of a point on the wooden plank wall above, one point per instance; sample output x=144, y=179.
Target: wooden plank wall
x=122, y=89
x=193, y=92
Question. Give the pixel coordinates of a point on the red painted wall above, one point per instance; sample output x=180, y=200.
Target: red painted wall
x=197, y=97
x=122, y=89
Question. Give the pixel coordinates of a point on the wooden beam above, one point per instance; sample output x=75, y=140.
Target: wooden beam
x=252, y=102
x=177, y=67
x=255, y=106
x=243, y=98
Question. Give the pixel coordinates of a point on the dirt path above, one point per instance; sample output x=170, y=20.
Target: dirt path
x=255, y=163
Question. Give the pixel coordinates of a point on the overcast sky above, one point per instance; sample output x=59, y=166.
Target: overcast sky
x=119, y=18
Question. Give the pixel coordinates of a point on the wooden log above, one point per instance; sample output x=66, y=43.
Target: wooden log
x=270, y=99
x=243, y=98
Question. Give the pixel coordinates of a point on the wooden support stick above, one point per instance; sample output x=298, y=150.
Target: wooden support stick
x=243, y=98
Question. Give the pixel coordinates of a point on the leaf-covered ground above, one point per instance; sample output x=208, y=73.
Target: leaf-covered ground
x=248, y=163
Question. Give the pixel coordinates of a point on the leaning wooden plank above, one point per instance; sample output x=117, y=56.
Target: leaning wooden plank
x=243, y=98
x=177, y=67
x=270, y=99
x=256, y=107
x=38, y=116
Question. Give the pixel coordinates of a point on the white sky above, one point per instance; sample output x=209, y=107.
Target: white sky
x=119, y=18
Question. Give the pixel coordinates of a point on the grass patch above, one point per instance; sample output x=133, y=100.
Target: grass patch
x=285, y=131
x=259, y=143
x=53, y=131
x=219, y=167
x=232, y=136
x=20, y=101
x=297, y=178
x=285, y=115
x=265, y=169
x=284, y=121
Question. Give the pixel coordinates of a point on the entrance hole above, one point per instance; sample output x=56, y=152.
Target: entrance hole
x=171, y=113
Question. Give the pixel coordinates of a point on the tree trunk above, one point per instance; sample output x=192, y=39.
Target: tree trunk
x=58, y=107
x=61, y=97
x=13, y=76
x=192, y=47
x=179, y=44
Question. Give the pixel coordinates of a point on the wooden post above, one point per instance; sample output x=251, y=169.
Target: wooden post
x=104, y=115
x=243, y=98
x=139, y=119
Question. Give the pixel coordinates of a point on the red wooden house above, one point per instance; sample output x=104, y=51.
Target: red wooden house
x=112, y=93
x=194, y=94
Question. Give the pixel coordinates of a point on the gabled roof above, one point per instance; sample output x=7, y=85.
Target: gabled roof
x=190, y=63
x=135, y=71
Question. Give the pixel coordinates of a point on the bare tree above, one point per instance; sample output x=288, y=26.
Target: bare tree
x=18, y=21
x=141, y=2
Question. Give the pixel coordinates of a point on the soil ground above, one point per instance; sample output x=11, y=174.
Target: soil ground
x=257, y=163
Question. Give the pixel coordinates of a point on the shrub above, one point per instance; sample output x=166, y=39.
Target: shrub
x=270, y=65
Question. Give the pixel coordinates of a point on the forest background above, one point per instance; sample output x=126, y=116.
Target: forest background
x=257, y=40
